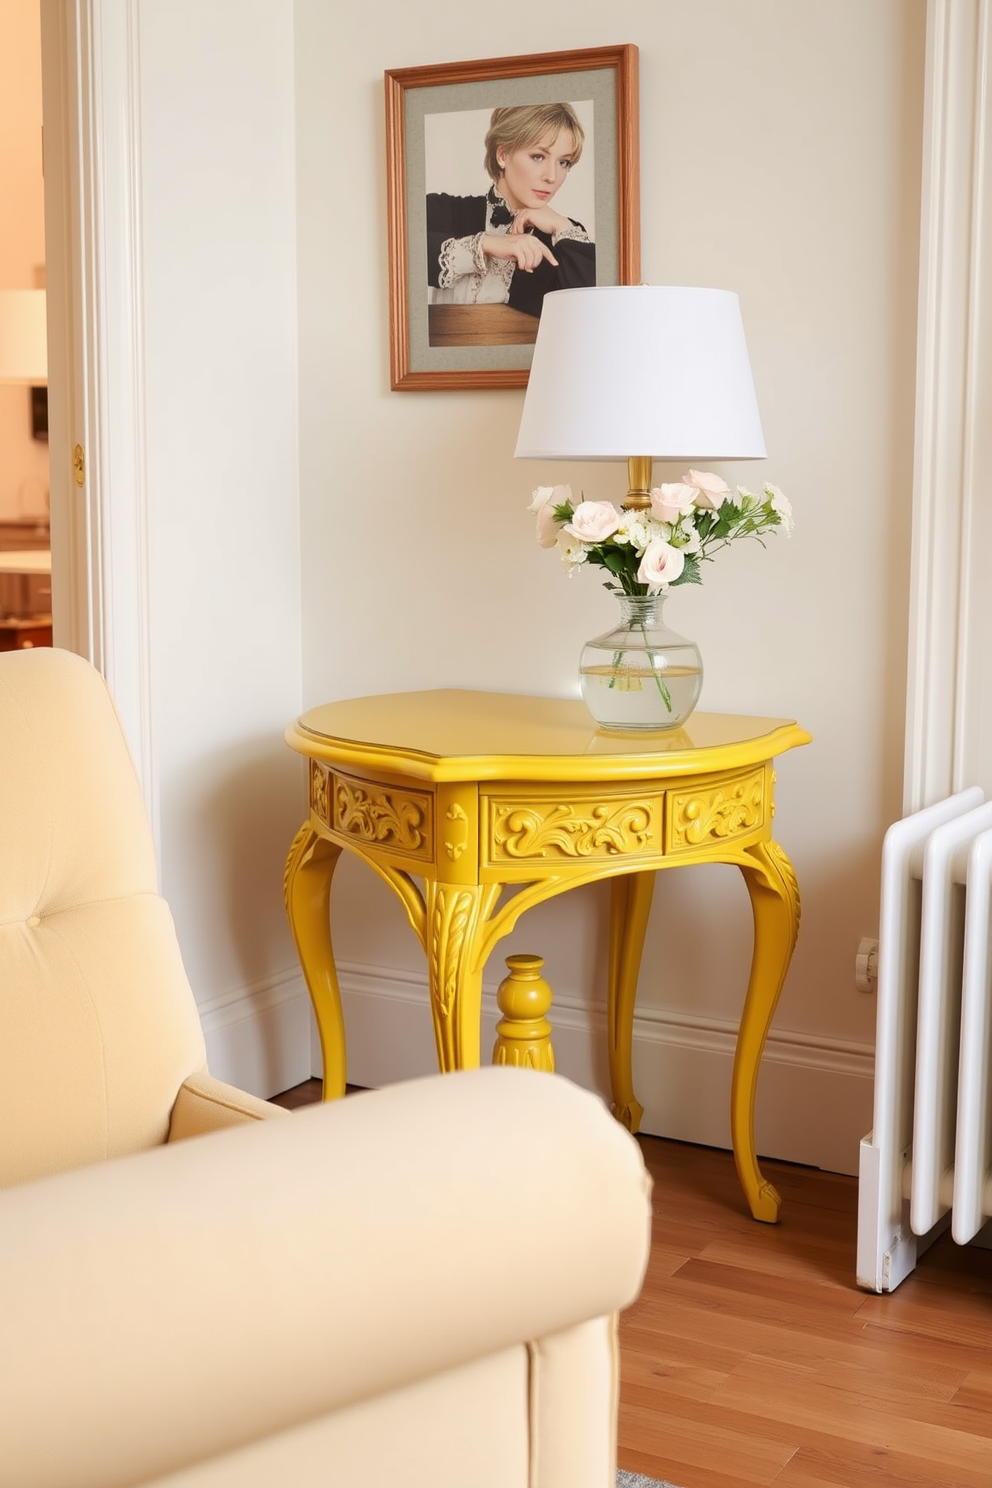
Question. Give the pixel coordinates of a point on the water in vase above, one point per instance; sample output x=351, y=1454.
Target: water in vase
x=629, y=694
x=640, y=674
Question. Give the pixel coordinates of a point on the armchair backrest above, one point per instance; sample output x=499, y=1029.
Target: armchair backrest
x=98, y=1026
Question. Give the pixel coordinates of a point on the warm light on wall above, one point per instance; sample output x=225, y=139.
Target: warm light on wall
x=23, y=337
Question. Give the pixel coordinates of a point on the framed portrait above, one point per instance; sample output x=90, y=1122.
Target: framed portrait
x=507, y=179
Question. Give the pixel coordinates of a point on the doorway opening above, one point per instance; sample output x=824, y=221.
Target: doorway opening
x=25, y=521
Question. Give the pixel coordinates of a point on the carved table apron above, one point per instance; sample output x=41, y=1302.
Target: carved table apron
x=469, y=792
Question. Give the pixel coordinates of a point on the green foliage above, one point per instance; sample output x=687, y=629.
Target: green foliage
x=692, y=572
x=688, y=523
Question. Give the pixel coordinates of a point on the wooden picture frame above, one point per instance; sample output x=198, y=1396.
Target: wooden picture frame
x=436, y=120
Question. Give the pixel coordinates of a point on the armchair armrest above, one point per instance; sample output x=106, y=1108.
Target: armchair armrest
x=207, y=1105
x=163, y=1308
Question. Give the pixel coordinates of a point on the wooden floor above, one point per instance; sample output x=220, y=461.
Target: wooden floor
x=752, y=1358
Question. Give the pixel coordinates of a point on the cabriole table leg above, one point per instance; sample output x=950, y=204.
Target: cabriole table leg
x=774, y=891
x=307, y=891
x=630, y=906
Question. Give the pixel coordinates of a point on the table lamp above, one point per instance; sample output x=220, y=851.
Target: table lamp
x=640, y=372
x=23, y=337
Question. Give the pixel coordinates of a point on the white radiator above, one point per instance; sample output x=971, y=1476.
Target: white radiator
x=928, y=1157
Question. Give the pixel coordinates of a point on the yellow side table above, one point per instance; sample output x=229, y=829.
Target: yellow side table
x=468, y=792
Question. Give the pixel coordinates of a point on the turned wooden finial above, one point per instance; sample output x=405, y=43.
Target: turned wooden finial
x=523, y=1034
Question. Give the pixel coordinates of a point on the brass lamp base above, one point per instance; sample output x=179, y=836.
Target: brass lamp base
x=638, y=498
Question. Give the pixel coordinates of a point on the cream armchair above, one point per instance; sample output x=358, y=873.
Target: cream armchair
x=417, y=1286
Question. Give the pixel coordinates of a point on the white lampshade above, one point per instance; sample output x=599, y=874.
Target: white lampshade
x=640, y=370
x=23, y=337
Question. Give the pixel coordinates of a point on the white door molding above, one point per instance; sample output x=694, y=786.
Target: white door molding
x=91, y=76
x=949, y=702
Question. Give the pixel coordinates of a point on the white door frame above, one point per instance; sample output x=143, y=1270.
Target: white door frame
x=92, y=113
x=949, y=699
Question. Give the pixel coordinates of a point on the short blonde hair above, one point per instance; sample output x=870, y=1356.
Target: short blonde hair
x=516, y=128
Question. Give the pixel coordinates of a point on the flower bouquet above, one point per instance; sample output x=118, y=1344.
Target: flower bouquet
x=641, y=675
x=647, y=550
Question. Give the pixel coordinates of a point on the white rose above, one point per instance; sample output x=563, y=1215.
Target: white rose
x=544, y=501
x=540, y=498
x=660, y=565
x=594, y=521
x=669, y=502
x=556, y=495
x=547, y=528
x=712, y=490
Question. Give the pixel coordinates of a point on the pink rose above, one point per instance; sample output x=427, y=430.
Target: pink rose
x=547, y=527
x=555, y=495
x=670, y=502
x=544, y=501
x=594, y=521
x=712, y=490
x=660, y=564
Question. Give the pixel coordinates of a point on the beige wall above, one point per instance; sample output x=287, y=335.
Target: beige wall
x=23, y=460
x=780, y=157
x=187, y=525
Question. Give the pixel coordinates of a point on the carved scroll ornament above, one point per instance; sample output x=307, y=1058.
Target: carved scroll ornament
x=723, y=812
x=546, y=830
x=318, y=791
x=393, y=818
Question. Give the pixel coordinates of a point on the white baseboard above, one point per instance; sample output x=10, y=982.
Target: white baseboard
x=258, y=1037
x=814, y=1095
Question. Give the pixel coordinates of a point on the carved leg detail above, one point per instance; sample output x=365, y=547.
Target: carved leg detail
x=523, y=1034
x=307, y=891
x=630, y=907
x=455, y=916
x=771, y=883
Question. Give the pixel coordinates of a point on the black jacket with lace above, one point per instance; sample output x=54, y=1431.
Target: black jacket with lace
x=464, y=216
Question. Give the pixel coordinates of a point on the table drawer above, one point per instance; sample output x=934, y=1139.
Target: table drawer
x=389, y=817
x=709, y=812
x=577, y=825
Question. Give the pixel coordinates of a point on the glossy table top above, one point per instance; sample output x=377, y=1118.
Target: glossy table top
x=455, y=734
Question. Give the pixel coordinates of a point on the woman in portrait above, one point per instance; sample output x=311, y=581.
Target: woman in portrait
x=510, y=247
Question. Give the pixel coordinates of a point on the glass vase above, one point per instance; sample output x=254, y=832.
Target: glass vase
x=640, y=674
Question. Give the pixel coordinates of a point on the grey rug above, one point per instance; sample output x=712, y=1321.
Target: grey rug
x=638, y=1480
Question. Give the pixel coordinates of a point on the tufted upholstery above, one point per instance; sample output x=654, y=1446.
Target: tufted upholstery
x=417, y=1286
x=98, y=1027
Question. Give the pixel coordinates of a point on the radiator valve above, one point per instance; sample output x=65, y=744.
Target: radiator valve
x=866, y=965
